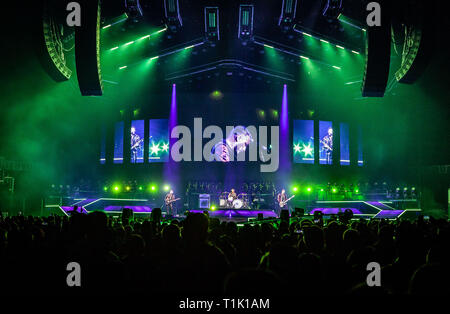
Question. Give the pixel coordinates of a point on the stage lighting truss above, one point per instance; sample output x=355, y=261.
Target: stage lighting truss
x=172, y=15
x=245, y=32
x=133, y=9
x=287, y=17
x=167, y=52
x=310, y=34
x=332, y=9
x=212, y=31
x=281, y=48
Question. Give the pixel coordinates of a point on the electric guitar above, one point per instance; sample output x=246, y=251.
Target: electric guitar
x=171, y=201
x=282, y=203
x=326, y=147
x=136, y=145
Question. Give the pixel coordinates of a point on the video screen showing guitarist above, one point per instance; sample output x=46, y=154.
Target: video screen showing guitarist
x=327, y=142
x=136, y=145
x=169, y=201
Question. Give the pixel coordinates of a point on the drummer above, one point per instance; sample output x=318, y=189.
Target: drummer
x=231, y=197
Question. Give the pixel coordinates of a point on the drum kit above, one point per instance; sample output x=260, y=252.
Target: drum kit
x=242, y=201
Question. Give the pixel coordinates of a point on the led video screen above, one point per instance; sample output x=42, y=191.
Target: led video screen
x=325, y=142
x=344, y=144
x=118, y=142
x=303, y=141
x=360, y=147
x=137, y=141
x=103, y=146
x=158, y=140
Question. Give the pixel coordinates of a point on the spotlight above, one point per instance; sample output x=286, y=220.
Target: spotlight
x=245, y=32
x=287, y=17
x=105, y=188
x=172, y=14
x=213, y=207
x=166, y=187
x=295, y=189
x=153, y=188
x=133, y=9
x=308, y=189
x=128, y=188
x=212, y=33
x=116, y=188
x=140, y=188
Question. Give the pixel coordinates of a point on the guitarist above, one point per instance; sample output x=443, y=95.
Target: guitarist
x=169, y=199
x=135, y=145
x=282, y=198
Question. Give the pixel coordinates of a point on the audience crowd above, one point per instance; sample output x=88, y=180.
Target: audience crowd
x=202, y=256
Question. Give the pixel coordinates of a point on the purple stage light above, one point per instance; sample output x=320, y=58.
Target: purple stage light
x=284, y=137
x=171, y=167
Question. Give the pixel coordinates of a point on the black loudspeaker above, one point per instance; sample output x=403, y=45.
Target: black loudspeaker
x=378, y=53
x=284, y=215
x=127, y=215
x=87, y=49
x=156, y=214
x=299, y=212
x=416, y=30
x=260, y=216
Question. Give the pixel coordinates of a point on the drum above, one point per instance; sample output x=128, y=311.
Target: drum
x=237, y=204
x=222, y=202
x=230, y=199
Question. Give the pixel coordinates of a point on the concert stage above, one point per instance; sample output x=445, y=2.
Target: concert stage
x=144, y=207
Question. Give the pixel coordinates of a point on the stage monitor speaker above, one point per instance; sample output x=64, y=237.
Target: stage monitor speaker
x=378, y=53
x=87, y=49
x=260, y=216
x=284, y=215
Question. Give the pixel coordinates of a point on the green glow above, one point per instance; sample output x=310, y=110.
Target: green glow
x=153, y=187
x=295, y=188
x=127, y=188
x=308, y=189
x=114, y=48
x=324, y=41
x=140, y=188
x=116, y=188
x=336, y=67
x=356, y=191
x=306, y=34
x=123, y=67
x=213, y=207
x=355, y=52
x=105, y=188
x=340, y=47
x=303, y=57
x=129, y=43
x=321, y=190
x=268, y=46
x=334, y=190
x=166, y=187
